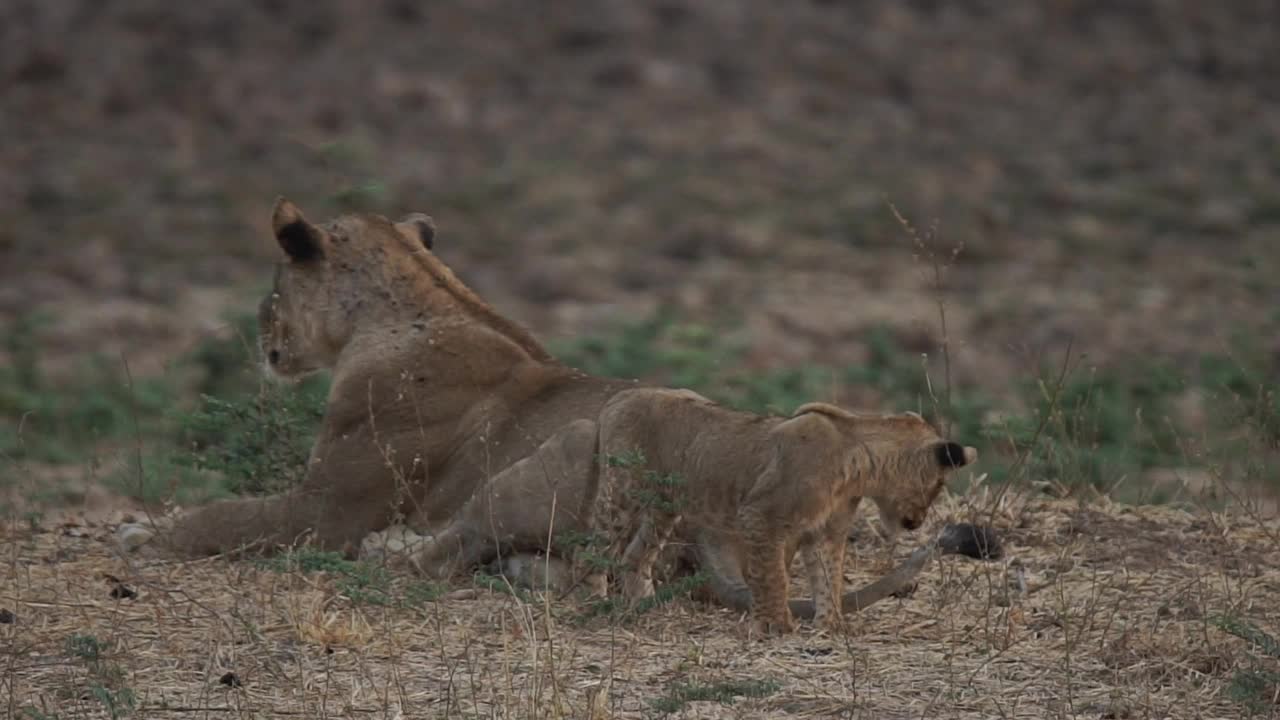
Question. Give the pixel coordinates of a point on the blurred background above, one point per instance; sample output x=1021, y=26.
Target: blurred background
x=770, y=202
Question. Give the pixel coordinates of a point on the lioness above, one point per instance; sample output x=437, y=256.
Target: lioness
x=433, y=392
x=772, y=484
x=441, y=411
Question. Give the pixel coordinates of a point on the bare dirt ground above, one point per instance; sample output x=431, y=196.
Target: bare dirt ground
x=1094, y=612
x=1108, y=169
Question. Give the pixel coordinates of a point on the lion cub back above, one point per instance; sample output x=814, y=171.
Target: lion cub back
x=679, y=432
x=702, y=461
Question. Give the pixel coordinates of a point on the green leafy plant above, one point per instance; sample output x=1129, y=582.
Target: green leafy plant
x=725, y=692
x=362, y=582
x=106, y=679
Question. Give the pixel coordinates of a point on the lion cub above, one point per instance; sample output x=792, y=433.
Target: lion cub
x=771, y=483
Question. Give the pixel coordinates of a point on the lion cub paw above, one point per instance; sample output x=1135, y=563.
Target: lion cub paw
x=779, y=625
x=833, y=622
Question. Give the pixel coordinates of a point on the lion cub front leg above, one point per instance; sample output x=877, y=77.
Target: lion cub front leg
x=824, y=565
x=766, y=571
x=642, y=552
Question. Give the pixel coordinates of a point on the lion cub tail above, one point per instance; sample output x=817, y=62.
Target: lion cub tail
x=821, y=408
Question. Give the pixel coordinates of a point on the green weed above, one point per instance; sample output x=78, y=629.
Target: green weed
x=63, y=421
x=106, y=679
x=726, y=693
x=1089, y=428
x=1246, y=630
x=501, y=585
x=363, y=583
x=620, y=609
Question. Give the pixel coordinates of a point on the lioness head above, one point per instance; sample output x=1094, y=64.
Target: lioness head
x=904, y=458
x=330, y=276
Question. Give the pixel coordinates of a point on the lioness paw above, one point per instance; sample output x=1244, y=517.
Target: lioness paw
x=131, y=536
x=137, y=539
x=393, y=544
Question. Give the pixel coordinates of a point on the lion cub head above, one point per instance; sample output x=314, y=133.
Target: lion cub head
x=332, y=277
x=902, y=460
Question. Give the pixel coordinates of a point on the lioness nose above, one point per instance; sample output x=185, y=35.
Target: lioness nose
x=273, y=357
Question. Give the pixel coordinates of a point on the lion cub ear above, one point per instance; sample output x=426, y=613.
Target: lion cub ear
x=419, y=228
x=299, y=239
x=954, y=455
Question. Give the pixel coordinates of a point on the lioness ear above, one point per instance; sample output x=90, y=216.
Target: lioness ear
x=300, y=240
x=419, y=228
x=954, y=455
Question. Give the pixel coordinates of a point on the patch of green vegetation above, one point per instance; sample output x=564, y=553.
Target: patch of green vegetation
x=254, y=433
x=1254, y=687
x=242, y=435
x=212, y=427
x=165, y=474
x=59, y=421
x=620, y=609
x=362, y=582
x=1098, y=426
x=708, y=360
x=628, y=459
x=85, y=647
x=1255, y=690
x=659, y=348
x=497, y=584
x=1095, y=428
x=656, y=488
x=1249, y=632
x=259, y=442
x=587, y=548
x=725, y=692
x=1242, y=380
x=106, y=679
x=353, y=158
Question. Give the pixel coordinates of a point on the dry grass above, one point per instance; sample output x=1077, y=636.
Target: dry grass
x=1099, y=611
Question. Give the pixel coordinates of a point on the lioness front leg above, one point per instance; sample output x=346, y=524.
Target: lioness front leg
x=347, y=493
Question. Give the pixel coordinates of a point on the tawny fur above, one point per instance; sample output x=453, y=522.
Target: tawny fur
x=433, y=395
x=441, y=412
x=768, y=485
